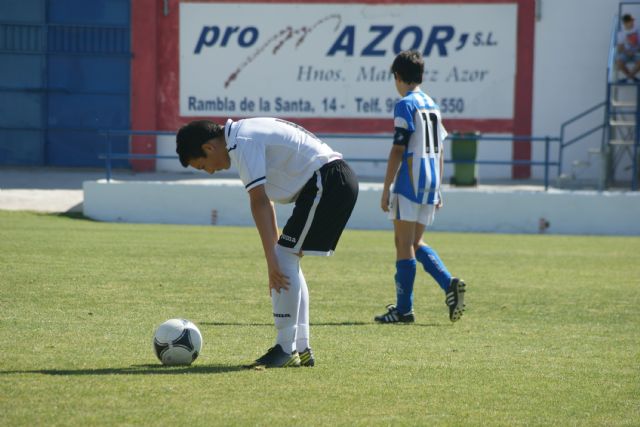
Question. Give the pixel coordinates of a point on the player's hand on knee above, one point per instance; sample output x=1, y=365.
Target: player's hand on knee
x=277, y=280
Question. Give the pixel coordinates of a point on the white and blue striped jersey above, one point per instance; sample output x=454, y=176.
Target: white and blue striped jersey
x=418, y=178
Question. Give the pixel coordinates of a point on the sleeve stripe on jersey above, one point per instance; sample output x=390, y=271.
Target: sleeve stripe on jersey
x=254, y=181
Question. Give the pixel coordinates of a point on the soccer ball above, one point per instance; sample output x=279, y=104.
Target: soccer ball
x=177, y=342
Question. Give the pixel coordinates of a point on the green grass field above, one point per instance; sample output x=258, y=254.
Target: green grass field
x=551, y=335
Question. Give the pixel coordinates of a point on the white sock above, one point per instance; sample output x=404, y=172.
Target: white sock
x=302, y=337
x=286, y=303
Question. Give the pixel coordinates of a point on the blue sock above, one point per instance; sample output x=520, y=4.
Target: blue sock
x=405, y=276
x=433, y=265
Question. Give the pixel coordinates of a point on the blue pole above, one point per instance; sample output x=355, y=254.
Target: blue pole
x=560, y=148
x=45, y=80
x=546, y=163
x=604, y=143
x=108, y=159
x=634, y=178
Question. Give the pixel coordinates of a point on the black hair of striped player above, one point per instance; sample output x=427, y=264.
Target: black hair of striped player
x=192, y=136
x=627, y=18
x=409, y=66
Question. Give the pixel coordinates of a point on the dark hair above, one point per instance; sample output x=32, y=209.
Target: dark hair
x=627, y=17
x=192, y=136
x=409, y=66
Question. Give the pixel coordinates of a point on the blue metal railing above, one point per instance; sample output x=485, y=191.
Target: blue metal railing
x=564, y=142
x=615, y=26
x=634, y=161
x=109, y=156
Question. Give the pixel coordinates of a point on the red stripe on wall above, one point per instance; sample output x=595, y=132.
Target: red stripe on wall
x=143, y=79
x=359, y=2
x=524, y=86
x=168, y=66
x=357, y=125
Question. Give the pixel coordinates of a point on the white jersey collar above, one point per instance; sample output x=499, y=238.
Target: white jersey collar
x=228, y=137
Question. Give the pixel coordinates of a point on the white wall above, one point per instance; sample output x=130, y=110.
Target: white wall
x=571, y=53
x=484, y=210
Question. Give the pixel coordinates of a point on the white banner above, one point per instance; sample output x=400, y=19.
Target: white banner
x=332, y=60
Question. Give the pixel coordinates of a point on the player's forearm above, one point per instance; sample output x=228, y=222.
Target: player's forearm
x=265, y=219
x=395, y=158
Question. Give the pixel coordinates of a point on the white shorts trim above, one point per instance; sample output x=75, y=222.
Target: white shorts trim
x=303, y=252
x=403, y=209
x=312, y=213
x=317, y=253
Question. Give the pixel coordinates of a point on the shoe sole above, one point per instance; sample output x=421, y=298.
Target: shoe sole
x=409, y=318
x=459, y=308
x=262, y=366
x=291, y=363
x=401, y=322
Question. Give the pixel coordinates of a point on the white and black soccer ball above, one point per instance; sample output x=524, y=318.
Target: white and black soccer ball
x=177, y=342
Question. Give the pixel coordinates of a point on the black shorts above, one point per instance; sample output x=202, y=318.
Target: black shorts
x=322, y=210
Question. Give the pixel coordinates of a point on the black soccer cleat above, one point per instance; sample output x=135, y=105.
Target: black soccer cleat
x=392, y=316
x=455, y=299
x=306, y=357
x=276, y=357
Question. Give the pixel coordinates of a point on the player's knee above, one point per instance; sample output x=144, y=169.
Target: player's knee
x=404, y=250
x=286, y=258
x=403, y=239
x=403, y=245
x=417, y=242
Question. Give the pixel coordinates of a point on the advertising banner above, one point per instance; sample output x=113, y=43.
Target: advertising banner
x=328, y=61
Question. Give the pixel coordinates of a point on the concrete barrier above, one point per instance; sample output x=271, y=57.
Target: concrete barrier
x=483, y=209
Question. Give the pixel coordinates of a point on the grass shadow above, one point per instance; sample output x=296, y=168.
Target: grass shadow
x=136, y=370
x=71, y=215
x=347, y=323
x=234, y=324
x=271, y=324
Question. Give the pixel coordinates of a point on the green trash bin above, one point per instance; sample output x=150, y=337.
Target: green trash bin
x=464, y=146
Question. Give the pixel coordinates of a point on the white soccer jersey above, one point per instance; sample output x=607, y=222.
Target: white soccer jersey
x=277, y=153
x=418, y=178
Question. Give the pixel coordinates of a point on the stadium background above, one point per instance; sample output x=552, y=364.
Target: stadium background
x=550, y=333
x=72, y=68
